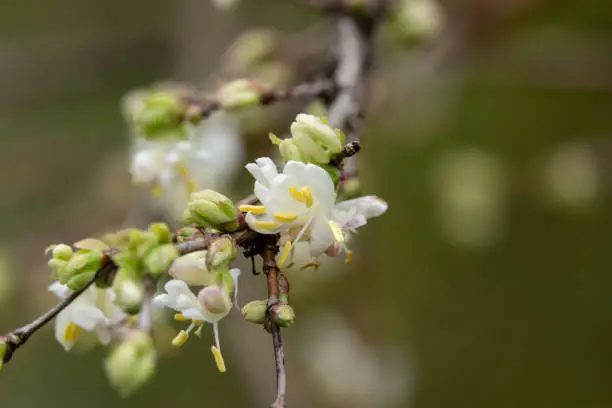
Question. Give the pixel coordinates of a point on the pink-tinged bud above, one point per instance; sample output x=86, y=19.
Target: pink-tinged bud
x=213, y=299
x=334, y=250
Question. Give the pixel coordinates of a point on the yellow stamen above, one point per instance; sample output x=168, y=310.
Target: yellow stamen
x=267, y=225
x=72, y=332
x=285, y=217
x=284, y=254
x=158, y=190
x=303, y=195
x=180, y=318
x=218, y=359
x=255, y=209
x=336, y=231
x=198, y=331
x=349, y=256
x=312, y=264
x=180, y=338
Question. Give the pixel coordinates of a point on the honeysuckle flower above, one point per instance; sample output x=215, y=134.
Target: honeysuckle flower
x=300, y=203
x=92, y=311
x=210, y=305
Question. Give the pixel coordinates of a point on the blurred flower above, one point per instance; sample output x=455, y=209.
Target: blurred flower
x=418, y=19
x=132, y=363
x=301, y=202
x=211, y=305
x=92, y=311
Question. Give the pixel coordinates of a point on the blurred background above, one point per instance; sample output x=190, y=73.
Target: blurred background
x=486, y=284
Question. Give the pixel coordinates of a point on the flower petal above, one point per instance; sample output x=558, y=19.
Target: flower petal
x=61, y=325
x=368, y=206
x=321, y=185
x=59, y=290
x=321, y=237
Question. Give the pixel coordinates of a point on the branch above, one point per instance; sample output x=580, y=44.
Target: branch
x=273, y=275
x=322, y=88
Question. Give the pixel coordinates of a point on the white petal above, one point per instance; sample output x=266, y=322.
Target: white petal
x=191, y=269
x=196, y=314
x=321, y=237
x=61, y=324
x=267, y=167
x=87, y=317
x=368, y=206
x=147, y=164
x=321, y=185
x=257, y=173
x=294, y=168
x=59, y=290
x=262, y=193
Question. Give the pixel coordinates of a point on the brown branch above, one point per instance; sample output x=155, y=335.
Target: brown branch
x=273, y=275
x=321, y=88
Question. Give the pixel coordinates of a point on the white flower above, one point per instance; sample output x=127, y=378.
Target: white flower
x=93, y=310
x=210, y=305
x=301, y=202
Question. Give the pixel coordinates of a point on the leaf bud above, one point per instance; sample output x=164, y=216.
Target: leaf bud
x=159, y=260
x=255, y=311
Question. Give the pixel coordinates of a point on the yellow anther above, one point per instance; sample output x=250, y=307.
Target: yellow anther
x=303, y=195
x=312, y=264
x=336, y=231
x=198, y=331
x=180, y=318
x=158, y=190
x=218, y=359
x=267, y=225
x=72, y=332
x=180, y=338
x=349, y=256
x=255, y=209
x=284, y=254
x=285, y=217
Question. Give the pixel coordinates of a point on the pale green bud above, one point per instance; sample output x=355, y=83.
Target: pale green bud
x=221, y=253
x=81, y=280
x=186, y=234
x=255, y=311
x=283, y=315
x=132, y=363
x=320, y=131
x=91, y=244
x=160, y=259
x=57, y=266
x=129, y=292
x=160, y=116
x=3, y=348
x=84, y=262
x=62, y=251
x=207, y=207
x=289, y=150
x=161, y=231
x=251, y=48
x=311, y=149
x=237, y=94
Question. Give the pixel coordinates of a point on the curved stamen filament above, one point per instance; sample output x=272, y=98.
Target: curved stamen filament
x=303, y=195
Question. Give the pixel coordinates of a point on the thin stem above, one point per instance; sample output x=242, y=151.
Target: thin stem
x=273, y=274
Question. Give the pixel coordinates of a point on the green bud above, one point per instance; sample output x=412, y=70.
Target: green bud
x=129, y=292
x=221, y=253
x=83, y=262
x=161, y=232
x=187, y=234
x=312, y=150
x=283, y=315
x=3, y=347
x=289, y=150
x=57, y=267
x=207, y=207
x=238, y=94
x=255, y=311
x=319, y=130
x=160, y=259
x=91, y=244
x=132, y=363
x=62, y=252
x=160, y=116
x=81, y=280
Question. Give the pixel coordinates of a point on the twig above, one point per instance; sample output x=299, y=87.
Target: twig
x=321, y=88
x=272, y=274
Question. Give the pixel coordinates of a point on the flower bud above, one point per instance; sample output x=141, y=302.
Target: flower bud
x=311, y=149
x=237, y=94
x=81, y=280
x=160, y=259
x=132, y=363
x=221, y=252
x=3, y=348
x=191, y=269
x=320, y=131
x=208, y=207
x=186, y=233
x=255, y=311
x=161, y=232
x=91, y=244
x=251, y=48
x=160, y=116
x=129, y=293
x=62, y=252
x=57, y=267
x=84, y=262
x=283, y=315
x=289, y=150
x=215, y=300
